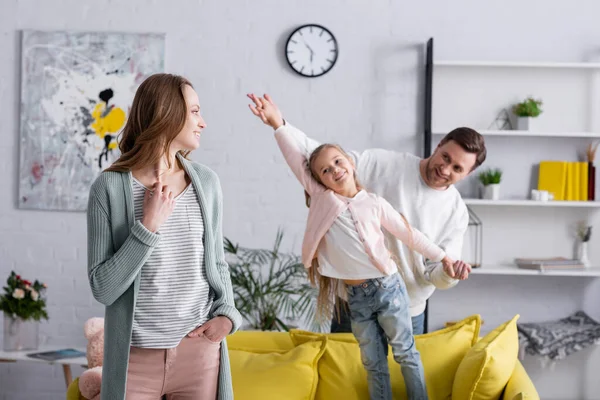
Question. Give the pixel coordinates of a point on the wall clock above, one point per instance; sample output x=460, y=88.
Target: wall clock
x=311, y=50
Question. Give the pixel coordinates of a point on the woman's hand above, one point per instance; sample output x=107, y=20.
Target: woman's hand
x=265, y=109
x=214, y=330
x=158, y=205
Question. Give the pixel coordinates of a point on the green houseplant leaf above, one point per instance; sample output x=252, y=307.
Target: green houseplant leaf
x=270, y=287
x=529, y=107
x=490, y=176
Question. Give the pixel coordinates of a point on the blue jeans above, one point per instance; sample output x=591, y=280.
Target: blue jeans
x=343, y=325
x=418, y=324
x=379, y=311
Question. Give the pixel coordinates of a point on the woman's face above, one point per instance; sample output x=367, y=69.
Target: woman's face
x=189, y=137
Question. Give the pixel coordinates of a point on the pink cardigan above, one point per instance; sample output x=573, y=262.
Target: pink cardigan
x=370, y=212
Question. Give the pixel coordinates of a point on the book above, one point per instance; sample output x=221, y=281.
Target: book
x=569, y=184
x=542, y=264
x=591, y=181
x=57, y=354
x=576, y=196
x=553, y=178
x=583, y=181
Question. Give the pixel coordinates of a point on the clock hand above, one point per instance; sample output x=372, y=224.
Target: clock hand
x=312, y=53
x=307, y=46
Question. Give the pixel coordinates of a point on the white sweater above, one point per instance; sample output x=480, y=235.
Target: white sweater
x=440, y=214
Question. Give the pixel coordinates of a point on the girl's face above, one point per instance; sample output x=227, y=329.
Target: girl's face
x=335, y=170
x=189, y=137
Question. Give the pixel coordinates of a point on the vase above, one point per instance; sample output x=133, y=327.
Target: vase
x=527, y=123
x=582, y=253
x=20, y=334
x=491, y=192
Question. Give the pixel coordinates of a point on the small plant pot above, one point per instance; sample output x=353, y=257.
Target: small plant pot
x=527, y=123
x=491, y=192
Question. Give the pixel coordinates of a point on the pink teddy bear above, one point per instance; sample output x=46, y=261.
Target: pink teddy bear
x=91, y=379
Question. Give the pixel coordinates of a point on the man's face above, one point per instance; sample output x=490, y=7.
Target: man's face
x=448, y=164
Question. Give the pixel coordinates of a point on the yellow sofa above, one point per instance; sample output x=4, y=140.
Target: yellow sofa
x=304, y=365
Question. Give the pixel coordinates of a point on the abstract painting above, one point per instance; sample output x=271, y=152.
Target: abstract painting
x=76, y=91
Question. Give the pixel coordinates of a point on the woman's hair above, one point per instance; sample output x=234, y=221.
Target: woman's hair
x=157, y=115
x=328, y=287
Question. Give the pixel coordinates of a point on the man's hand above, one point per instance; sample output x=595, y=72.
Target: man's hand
x=265, y=109
x=214, y=330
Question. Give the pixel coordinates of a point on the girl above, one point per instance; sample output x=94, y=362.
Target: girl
x=344, y=235
x=155, y=255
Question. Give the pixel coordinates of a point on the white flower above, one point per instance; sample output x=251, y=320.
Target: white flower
x=18, y=293
x=27, y=287
x=34, y=295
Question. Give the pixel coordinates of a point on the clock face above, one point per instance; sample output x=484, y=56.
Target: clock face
x=311, y=50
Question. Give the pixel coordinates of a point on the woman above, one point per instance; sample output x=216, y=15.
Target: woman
x=155, y=255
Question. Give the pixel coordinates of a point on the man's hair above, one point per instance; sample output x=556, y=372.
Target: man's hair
x=470, y=140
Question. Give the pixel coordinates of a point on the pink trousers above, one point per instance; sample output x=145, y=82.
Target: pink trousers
x=189, y=371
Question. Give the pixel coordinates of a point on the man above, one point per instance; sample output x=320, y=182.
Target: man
x=423, y=191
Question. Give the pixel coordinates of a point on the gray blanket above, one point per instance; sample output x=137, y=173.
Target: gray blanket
x=557, y=339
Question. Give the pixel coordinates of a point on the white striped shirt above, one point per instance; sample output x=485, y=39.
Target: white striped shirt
x=174, y=296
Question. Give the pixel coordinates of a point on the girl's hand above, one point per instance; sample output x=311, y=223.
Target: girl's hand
x=265, y=109
x=461, y=270
x=456, y=269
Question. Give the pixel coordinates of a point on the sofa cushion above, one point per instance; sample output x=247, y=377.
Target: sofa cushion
x=520, y=383
x=260, y=341
x=276, y=375
x=341, y=373
x=487, y=367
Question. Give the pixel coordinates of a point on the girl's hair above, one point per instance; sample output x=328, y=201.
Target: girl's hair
x=311, y=161
x=329, y=288
x=157, y=115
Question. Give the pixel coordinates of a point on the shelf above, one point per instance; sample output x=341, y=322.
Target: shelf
x=514, y=270
x=518, y=64
x=532, y=203
x=529, y=133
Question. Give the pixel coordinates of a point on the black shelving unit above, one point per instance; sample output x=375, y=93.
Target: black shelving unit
x=428, y=99
x=427, y=126
x=427, y=134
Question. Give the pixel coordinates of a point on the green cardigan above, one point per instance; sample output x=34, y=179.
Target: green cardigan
x=118, y=247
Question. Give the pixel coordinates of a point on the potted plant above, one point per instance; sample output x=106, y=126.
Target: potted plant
x=23, y=307
x=490, y=179
x=271, y=289
x=526, y=111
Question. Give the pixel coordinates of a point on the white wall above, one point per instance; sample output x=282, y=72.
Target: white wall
x=372, y=97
